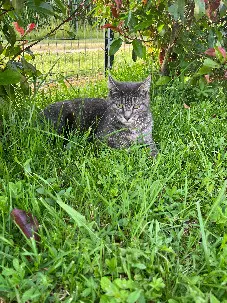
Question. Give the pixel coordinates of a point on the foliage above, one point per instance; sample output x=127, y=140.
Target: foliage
x=180, y=30
x=15, y=53
x=116, y=225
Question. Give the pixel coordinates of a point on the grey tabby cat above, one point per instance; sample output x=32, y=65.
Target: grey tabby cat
x=121, y=120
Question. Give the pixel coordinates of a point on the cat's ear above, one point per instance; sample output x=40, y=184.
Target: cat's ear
x=146, y=84
x=111, y=82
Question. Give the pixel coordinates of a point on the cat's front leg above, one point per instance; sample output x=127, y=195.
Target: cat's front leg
x=153, y=149
x=148, y=140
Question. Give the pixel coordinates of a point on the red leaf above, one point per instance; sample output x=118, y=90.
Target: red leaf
x=18, y=28
x=118, y=3
x=222, y=51
x=26, y=222
x=115, y=12
x=107, y=25
x=114, y=28
x=214, y=5
x=30, y=27
x=210, y=52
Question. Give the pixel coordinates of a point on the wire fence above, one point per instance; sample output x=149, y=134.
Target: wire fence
x=77, y=51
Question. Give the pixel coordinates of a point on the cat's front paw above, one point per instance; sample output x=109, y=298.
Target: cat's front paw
x=154, y=153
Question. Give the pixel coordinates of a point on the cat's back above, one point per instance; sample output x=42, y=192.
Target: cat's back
x=79, y=111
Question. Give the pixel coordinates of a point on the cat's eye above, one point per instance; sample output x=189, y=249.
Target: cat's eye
x=137, y=106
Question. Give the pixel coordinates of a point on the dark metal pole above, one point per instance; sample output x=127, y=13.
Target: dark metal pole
x=109, y=36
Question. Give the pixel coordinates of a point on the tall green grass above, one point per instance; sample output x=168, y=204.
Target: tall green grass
x=116, y=225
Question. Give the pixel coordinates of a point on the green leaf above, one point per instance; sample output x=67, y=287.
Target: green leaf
x=76, y=216
x=115, y=45
x=177, y=9
x=108, y=286
x=28, y=68
x=199, y=10
x=61, y=6
x=27, y=167
x=131, y=21
x=9, y=33
x=134, y=57
x=143, y=25
x=18, y=5
x=160, y=27
x=211, y=63
x=46, y=8
x=204, y=70
x=139, y=48
x=134, y=296
x=9, y=77
x=124, y=284
x=213, y=299
x=163, y=80
x=140, y=265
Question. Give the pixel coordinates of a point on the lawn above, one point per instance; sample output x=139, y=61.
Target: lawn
x=117, y=225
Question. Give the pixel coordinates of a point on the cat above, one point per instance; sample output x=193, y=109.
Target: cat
x=121, y=120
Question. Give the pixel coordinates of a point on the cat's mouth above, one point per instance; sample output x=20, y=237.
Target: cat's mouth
x=126, y=122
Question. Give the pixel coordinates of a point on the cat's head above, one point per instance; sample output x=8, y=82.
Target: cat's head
x=129, y=100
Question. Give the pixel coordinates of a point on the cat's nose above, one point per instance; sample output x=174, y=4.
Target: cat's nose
x=127, y=115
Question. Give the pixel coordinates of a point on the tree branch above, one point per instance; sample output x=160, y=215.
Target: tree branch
x=77, y=12
x=172, y=42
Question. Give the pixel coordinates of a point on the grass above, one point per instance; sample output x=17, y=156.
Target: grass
x=117, y=225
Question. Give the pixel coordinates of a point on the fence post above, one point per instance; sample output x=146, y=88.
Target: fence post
x=109, y=35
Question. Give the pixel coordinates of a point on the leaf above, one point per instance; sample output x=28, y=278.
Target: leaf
x=30, y=295
x=9, y=77
x=118, y=3
x=143, y=24
x=114, y=12
x=199, y=10
x=75, y=215
x=61, y=6
x=210, y=52
x=134, y=296
x=177, y=9
x=18, y=5
x=134, y=56
x=124, y=284
x=139, y=48
x=213, y=299
x=27, y=167
x=213, y=52
x=211, y=63
x=163, y=80
x=115, y=45
x=204, y=70
x=105, y=283
x=139, y=265
x=9, y=33
x=28, y=223
x=222, y=51
x=108, y=286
